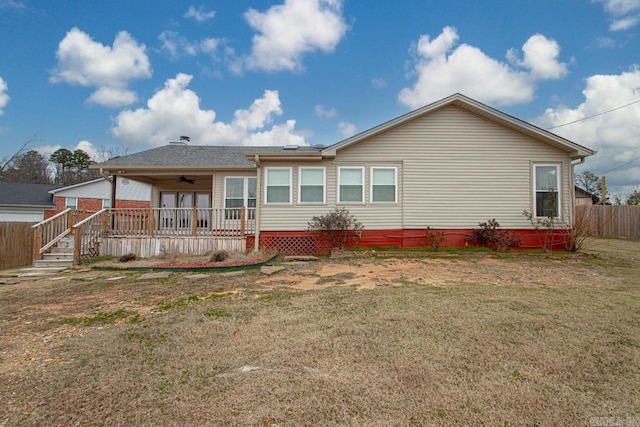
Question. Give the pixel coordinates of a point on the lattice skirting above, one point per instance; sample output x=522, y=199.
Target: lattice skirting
x=294, y=243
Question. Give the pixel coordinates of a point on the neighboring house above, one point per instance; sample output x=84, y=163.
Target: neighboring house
x=447, y=166
x=91, y=196
x=583, y=197
x=20, y=202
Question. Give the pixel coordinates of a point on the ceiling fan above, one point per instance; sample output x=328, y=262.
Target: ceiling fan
x=187, y=180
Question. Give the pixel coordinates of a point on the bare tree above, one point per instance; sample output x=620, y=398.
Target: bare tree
x=8, y=161
x=30, y=167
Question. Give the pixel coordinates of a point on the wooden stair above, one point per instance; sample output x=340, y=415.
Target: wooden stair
x=58, y=258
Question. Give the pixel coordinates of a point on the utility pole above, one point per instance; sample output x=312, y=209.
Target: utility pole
x=603, y=190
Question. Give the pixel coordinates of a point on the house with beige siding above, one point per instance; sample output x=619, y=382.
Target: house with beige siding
x=446, y=166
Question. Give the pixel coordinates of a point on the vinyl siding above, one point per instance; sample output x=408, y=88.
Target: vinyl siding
x=455, y=169
x=127, y=189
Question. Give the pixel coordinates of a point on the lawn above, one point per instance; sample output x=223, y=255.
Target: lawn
x=390, y=342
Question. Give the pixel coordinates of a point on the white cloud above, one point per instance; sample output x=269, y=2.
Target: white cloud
x=347, y=129
x=615, y=135
x=324, y=112
x=288, y=31
x=443, y=69
x=541, y=57
x=624, y=23
x=624, y=14
x=4, y=97
x=199, y=14
x=177, y=45
x=378, y=83
x=85, y=62
x=11, y=4
x=175, y=110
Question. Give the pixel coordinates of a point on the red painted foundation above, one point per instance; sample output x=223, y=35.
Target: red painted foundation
x=309, y=243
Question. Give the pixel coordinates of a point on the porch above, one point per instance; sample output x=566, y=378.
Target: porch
x=148, y=232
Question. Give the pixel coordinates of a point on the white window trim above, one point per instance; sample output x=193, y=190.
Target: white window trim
x=395, y=184
x=103, y=204
x=324, y=185
x=266, y=185
x=338, y=201
x=534, y=200
x=245, y=189
x=75, y=205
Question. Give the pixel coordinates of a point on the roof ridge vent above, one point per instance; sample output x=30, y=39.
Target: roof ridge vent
x=291, y=147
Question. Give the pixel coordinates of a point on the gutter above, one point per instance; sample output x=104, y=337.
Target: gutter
x=104, y=175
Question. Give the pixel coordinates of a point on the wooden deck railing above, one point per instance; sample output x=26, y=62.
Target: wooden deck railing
x=182, y=222
x=48, y=232
x=87, y=234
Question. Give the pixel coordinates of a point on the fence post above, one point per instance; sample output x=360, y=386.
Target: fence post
x=243, y=217
x=105, y=222
x=152, y=220
x=194, y=221
x=70, y=218
x=77, y=243
x=37, y=242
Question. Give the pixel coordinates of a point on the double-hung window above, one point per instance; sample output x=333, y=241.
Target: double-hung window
x=351, y=185
x=547, y=196
x=239, y=191
x=384, y=187
x=311, y=185
x=278, y=185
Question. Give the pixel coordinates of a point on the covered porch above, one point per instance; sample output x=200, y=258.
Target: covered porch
x=148, y=232
x=160, y=231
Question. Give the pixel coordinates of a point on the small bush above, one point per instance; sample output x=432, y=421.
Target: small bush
x=219, y=256
x=491, y=235
x=435, y=238
x=339, y=226
x=128, y=257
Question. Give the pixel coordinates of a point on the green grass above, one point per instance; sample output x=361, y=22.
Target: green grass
x=99, y=317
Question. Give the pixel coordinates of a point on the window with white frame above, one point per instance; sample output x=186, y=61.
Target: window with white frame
x=351, y=185
x=106, y=203
x=311, y=185
x=71, y=202
x=384, y=188
x=240, y=191
x=547, y=196
x=278, y=185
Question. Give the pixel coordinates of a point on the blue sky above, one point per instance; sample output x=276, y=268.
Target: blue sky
x=102, y=74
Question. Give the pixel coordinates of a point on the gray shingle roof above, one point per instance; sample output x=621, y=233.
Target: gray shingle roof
x=18, y=193
x=194, y=156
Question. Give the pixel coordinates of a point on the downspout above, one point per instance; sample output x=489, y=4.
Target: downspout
x=111, y=181
x=573, y=190
x=256, y=243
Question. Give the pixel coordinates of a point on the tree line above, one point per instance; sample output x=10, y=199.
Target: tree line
x=63, y=167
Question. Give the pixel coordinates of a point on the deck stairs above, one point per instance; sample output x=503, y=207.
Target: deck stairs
x=55, y=260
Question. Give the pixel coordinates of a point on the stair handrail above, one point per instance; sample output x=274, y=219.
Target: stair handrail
x=89, y=218
x=54, y=230
x=82, y=238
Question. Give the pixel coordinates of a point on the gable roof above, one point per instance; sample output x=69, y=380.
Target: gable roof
x=574, y=150
x=22, y=194
x=181, y=157
x=100, y=188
